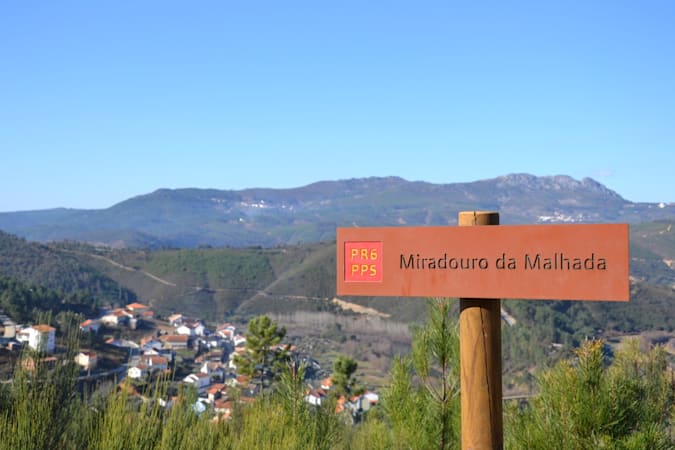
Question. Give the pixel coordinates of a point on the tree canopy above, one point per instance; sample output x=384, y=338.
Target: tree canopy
x=263, y=353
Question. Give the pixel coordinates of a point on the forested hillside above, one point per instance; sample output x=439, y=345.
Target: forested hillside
x=234, y=284
x=233, y=281
x=57, y=270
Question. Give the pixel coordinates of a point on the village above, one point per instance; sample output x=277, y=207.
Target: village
x=133, y=349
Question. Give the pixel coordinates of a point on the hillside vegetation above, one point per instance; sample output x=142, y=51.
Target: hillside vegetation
x=251, y=280
x=211, y=282
x=46, y=266
x=653, y=252
x=189, y=218
x=233, y=284
x=225, y=284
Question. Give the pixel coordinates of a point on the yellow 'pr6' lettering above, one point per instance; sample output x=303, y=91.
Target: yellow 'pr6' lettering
x=369, y=254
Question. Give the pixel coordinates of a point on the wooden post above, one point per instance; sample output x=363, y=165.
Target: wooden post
x=480, y=345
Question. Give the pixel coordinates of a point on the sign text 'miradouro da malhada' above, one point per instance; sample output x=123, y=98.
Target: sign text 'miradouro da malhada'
x=575, y=262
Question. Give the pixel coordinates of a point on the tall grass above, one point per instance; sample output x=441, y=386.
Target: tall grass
x=584, y=403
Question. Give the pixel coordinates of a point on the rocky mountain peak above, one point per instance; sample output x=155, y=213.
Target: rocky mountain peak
x=269, y=217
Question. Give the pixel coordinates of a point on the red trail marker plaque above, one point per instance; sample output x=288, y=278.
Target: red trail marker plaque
x=557, y=262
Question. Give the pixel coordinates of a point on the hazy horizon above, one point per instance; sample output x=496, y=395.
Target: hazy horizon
x=105, y=101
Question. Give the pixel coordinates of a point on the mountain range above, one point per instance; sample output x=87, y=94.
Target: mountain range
x=190, y=218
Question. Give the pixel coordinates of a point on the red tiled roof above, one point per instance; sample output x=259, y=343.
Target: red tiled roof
x=216, y=388
x=157, y=360
x=133, y=306
x=176, y=338
x=146, y=339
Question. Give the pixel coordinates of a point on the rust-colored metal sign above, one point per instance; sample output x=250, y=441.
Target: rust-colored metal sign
x=563, y=262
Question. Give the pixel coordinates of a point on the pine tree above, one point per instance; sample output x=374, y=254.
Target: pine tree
x=426, y=414
x=583, y=404
x=344, y=382
x=263, y=355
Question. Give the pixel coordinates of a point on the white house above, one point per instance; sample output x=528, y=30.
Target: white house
x=369, y=400
x=372, y=397
x=184, y=330
x=174, y=341
x=216, y=392
x=191, y=329
x=226, y=331
x=200, y=380
x=315, y=397
x=90, y=326
x=39, y=337
x=214, y=341
x=87, y=360
x=116, y=317
x=138, y=371
x=175, y=319
x=153, y=351
x=239, y=339
x=155, y=362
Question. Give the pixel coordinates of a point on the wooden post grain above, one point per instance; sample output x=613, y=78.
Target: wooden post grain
x=480, y=361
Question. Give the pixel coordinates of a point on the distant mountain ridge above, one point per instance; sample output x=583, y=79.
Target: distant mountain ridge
x=271, y=217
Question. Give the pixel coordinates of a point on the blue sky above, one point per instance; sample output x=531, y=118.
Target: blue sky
x=104, y=100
